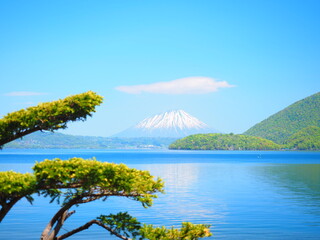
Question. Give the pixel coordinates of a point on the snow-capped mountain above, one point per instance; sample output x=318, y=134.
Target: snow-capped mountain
x=173, y=124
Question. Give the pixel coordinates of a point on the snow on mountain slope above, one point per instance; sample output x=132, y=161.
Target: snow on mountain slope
x=173, y=124
x=173, y=119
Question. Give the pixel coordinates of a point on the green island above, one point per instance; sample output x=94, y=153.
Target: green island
x=218, y=141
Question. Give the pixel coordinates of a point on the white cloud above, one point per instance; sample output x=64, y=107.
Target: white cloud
x=23, y=94
x=189, y=85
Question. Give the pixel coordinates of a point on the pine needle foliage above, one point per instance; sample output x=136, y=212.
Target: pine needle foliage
x=188, y=231
x=48, y=116
x=13, y=185
x=128, y=226
x=92, y=178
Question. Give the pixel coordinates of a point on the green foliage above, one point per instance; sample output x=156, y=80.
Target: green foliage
x=48, y=116
x=188, y=231
x=306, y=139
x=126, y=225
x=16, y=185
x=290, y=120
x=217, y=141
x=122, y=223
x=106, y=179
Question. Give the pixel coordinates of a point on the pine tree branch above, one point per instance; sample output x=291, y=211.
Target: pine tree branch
x=5, y=207
x=89, y=224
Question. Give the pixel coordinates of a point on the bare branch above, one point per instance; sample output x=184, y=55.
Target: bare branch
x=89, y=224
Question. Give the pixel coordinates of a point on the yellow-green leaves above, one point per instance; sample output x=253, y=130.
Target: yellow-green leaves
x=128, y=226
x=86, y=176
x=107, y=179
x=48, y=116
x=121, y=223
x=13, y=184
x=188, y=231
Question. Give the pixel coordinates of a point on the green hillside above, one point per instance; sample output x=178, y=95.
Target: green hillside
x=280, y=126
x=306, y=139
x=217, y=141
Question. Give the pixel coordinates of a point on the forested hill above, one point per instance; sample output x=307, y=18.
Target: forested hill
x=217, y=141
x=306, y=139
x=280, y=126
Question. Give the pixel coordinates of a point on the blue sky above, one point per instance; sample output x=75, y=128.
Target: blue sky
x=229, y=63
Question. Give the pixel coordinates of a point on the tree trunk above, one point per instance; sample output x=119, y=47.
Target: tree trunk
x=18, y=135
x=5, y=207
x=58, y=219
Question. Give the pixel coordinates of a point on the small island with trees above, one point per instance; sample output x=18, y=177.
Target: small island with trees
x=218, y=141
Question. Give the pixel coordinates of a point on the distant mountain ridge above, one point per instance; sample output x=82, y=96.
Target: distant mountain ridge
x=49, y=140
x=280, y=126
x=175, y=124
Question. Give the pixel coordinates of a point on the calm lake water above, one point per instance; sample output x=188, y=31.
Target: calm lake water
x=243, y=195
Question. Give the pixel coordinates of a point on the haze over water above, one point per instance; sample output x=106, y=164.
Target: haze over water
x=243, y=195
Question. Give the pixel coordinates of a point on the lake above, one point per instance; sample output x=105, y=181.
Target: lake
x=243, y=195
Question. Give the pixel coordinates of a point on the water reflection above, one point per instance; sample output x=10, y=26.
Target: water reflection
x=297, y=182
x=242, y=196
x=186, y=197
x=296, y=177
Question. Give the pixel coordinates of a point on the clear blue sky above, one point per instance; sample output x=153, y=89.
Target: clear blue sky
x=264, y=55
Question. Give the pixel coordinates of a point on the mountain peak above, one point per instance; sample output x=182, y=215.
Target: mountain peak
x=174, y=123
x=172, y=119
